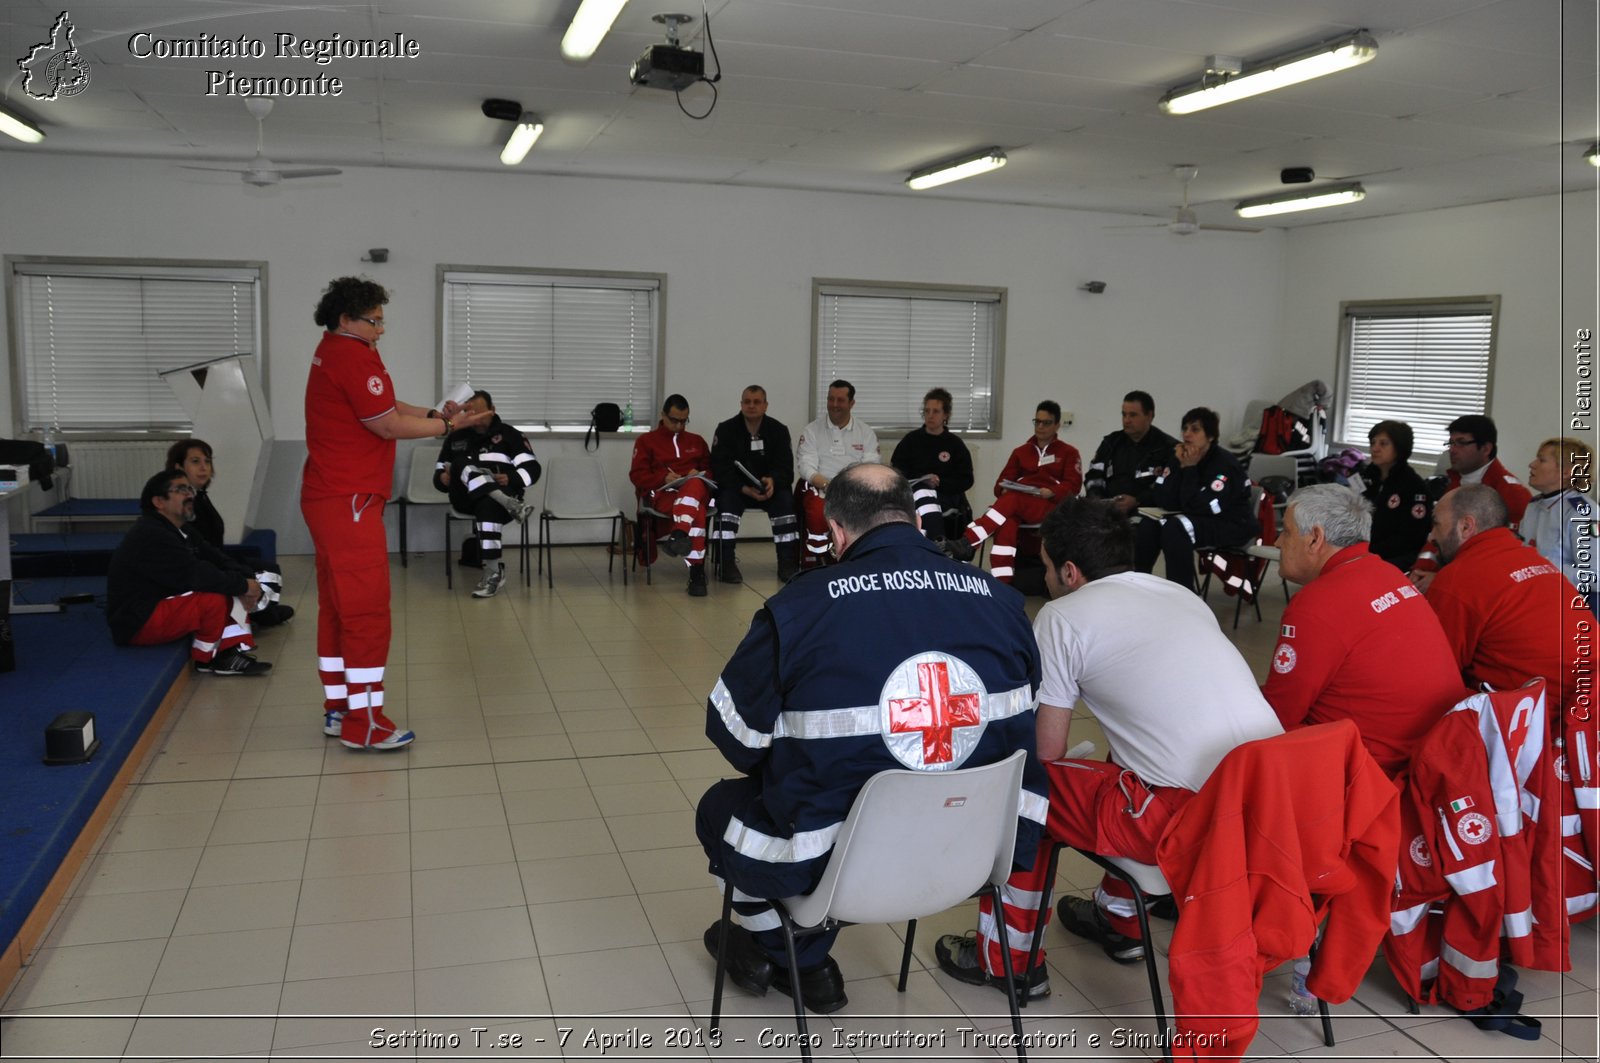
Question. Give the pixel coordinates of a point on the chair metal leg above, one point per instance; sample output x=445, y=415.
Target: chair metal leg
x=905, y=957
x=1045, y=898
x=1149, y=950
x=449, y=556
x=794, y=981
x=1322, y=1005
x=522, y=559
x=722, y=957
x=403, y=510
x=1011, y=975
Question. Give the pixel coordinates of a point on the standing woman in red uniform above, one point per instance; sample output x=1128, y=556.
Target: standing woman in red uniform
x=352, y=422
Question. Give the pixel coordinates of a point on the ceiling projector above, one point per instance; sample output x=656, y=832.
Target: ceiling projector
x=667, y=66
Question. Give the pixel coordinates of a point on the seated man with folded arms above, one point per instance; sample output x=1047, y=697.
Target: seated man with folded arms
x=486, y=468
x=1358, y=642
x=166, y=583
x=828, y=446
x=939, y=459
x=1206, y=493
x=1508, y=613
x=760, y=444
x=1127, y=461
x=1110, y=637
x=1041, y=472
x=1474, y=449
x=662, y=457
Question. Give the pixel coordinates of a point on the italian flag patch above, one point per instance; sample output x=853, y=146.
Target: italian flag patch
x=1461, y=804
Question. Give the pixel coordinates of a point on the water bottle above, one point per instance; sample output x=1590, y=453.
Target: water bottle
x=627, y=418
x=1301, y=1000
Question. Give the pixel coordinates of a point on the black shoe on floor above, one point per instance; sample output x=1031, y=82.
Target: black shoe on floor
x=747, y=966
x=697, y=581
x=730, y=571
x=233, y=662
x=958, y=957
x=958, y=549
x=1165, y=907
x=1081, y=916
x=822, y=987
x=676, y=544
x=273, y=615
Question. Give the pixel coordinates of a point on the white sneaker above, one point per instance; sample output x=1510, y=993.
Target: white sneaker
x=491, y=582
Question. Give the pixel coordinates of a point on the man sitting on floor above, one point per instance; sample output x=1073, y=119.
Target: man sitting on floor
x=670, y=475
x=1112, y=637
x=1359, y=642
x=904, y=660
x=166, y=583
x=486, y=468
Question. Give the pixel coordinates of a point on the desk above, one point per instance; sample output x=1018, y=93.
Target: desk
x=8, y=492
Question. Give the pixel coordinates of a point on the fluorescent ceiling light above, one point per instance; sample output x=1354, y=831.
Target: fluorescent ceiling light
x=1269, y=74
x=1301, y=199
x=589, y=27
x=1593, y=154
x=957, y=169
x=522, y=137
x=14, y=125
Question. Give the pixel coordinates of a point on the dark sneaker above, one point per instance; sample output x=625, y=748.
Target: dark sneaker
x=1163, y=907
x=233, y=662
x=958, y=549
x=822, y=987
x=958, y=957
x=493, y=579
x=676, y=544
x=1081, y=916
x=788, y=567
x=333, y=722
x=273, y=615
x=730, y=571
x=697, y=581
x=747, y=966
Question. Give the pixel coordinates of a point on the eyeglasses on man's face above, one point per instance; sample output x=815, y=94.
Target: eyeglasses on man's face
x=181, y=490
x=1456, y=444
x=681, y=422
x=375, y=322
x=1044, y=422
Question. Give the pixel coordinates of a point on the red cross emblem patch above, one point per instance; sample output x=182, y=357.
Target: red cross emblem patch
x=1474, y=828
x=932, y=706
x=1283, y=660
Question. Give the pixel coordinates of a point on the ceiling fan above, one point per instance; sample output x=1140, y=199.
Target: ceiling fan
x=1184, y=223
x=262, y=172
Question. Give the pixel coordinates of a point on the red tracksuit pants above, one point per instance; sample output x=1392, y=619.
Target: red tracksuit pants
x=810, y=502
x=209, y=618
x=352, y=551
x=687, y=506
x=1001, y=521
x=1090, y=803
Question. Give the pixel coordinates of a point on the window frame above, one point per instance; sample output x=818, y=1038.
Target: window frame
x=643, y=420
x=1000, y=296
x=1351, y=309
x=121, y=268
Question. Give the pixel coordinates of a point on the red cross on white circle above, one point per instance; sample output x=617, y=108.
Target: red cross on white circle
x=936, y=713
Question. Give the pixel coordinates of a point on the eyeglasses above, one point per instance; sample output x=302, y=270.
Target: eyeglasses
x=1463, y=443
x=375, y=322
x=181, y=489
x=675, y=420
x=1037, y=423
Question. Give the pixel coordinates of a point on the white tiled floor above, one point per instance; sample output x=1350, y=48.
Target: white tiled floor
x=268, y=893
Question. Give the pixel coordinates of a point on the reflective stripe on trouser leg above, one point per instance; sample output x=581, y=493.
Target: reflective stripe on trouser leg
x=1115, y=899
x=202, y=616
x=1002, y=561
x=1019, y=899
x=785, y=529
x=816, y=526
x=488, y=533
x=689, y=516
x=988, y=524
x=331, y=671
x=728, y=525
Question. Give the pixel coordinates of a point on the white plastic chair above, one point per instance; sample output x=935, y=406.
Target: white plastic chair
x=420, y=492
x=575, y=489
x=915, y=843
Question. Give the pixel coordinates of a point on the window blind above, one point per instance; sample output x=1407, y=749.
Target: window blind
x=95, y=337
x=549, y=348
x=896, y=344
x=1424, y=365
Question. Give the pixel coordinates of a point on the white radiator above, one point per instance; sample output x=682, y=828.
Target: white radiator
x=114, y=468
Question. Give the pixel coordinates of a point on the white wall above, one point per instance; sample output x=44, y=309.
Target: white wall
x=1193, y=320
x=1538, y=255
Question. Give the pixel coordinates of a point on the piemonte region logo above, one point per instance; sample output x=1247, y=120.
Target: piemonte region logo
x=55, y=69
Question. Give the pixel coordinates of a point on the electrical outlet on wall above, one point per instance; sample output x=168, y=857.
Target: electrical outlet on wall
x=1066, y=418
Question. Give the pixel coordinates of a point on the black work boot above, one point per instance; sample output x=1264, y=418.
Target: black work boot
x=730, y=563
x=788, y=561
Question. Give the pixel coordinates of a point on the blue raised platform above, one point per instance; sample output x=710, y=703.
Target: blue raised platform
x=65, y=661
x=91, y=509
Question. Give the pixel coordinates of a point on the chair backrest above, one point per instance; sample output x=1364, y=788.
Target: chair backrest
x=576, y=487
x=919, y=842
x=1264, y=465
x=419, y=480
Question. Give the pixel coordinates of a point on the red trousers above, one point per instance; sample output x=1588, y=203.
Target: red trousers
x=809, y=501
x=1090, y=803
x=207, y=617
x=1001, y=520
x=687, y=506
x=352, y=551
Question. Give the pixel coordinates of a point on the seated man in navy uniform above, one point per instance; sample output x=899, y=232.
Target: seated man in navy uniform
x=835, y=682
